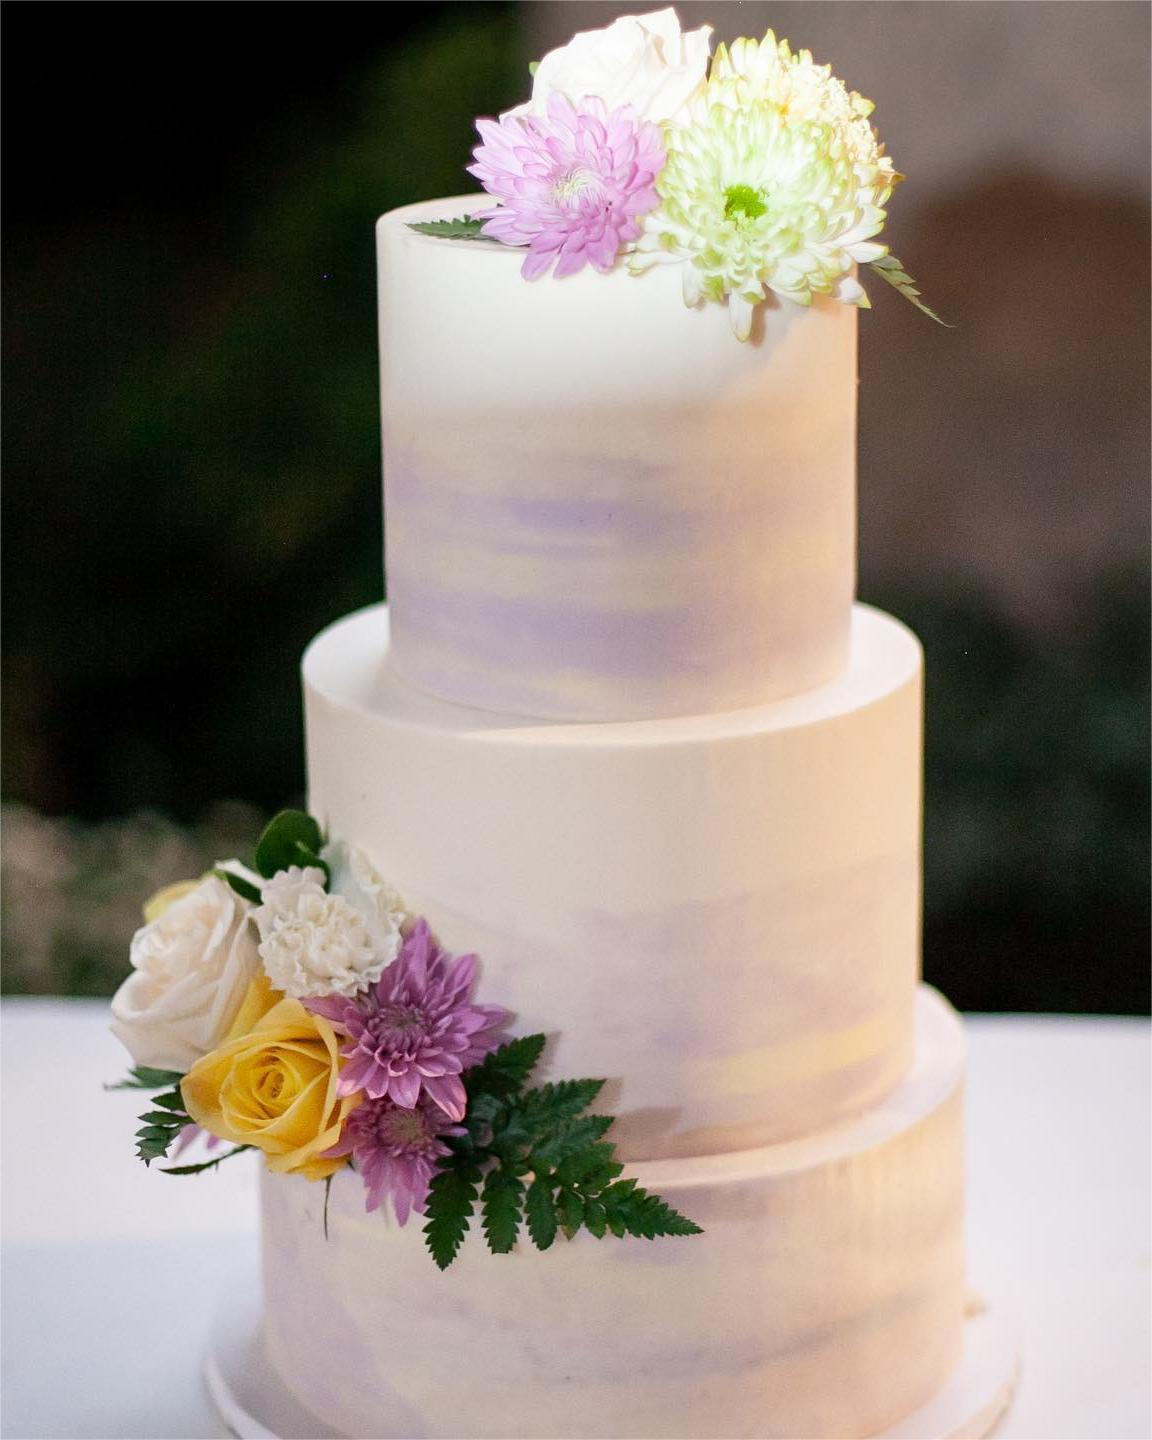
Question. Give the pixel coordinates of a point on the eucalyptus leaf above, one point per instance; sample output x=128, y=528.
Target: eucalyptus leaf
x=244, y=888
x=290, y=838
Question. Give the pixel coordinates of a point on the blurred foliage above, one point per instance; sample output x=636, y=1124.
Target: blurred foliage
x=193, y=491
x=1036, y=839
x=192, y=443
x=1036, y=845
x=72, y=892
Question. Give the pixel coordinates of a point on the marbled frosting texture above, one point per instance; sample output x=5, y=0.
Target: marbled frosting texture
x=598, y=505
x=823, y=1299
x=622, y=732
x=718, y=913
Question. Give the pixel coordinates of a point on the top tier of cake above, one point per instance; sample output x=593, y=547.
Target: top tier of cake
x=599, y=505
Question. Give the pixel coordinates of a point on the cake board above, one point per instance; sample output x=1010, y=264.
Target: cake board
x=254, y=1404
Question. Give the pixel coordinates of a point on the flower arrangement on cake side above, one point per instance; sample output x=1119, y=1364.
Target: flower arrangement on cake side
x=296, y=1008
x=757, y=174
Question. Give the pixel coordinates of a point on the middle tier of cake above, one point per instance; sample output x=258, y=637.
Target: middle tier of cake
x=723, y=910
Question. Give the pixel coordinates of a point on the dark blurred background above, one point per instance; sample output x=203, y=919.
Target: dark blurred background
x=192, y=484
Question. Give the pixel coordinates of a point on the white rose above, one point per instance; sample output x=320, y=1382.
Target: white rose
x=639, y=60
x=191, y=968
x=314, y=942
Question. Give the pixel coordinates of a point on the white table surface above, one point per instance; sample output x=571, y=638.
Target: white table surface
x=111, y=1271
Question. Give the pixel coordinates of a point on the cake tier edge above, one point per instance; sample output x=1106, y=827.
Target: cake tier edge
x=825, y=1296
x=598, y=503
x=719, y=915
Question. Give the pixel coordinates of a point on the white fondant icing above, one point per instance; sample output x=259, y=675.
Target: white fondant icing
x=825, y=1297
x=718, y=914
x=599, y=505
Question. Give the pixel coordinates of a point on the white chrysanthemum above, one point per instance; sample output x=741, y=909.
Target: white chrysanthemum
x=768, y=70
x=774, y=181
x=313, y=942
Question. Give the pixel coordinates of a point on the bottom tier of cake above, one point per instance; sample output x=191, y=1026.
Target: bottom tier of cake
x=824, y=1299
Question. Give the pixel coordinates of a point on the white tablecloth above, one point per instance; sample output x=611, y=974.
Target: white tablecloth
x=111, y=1271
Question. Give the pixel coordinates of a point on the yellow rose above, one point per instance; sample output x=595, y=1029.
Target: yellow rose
x=272, y=1083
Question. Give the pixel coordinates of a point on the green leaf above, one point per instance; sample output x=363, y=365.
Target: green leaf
x=584, y=1163
x=464, y=228
x=617, y=1192
x=451, y=1201
x=501, y=1202
x=561, y=1100
x=595, y=1218
x=483, y=1109
x=568, y=1139
x=647, y=1216
x=540, y=1213
x=327, y=1197
x=598, y=1178
x=538, y=1116
x=162, y=1117
x=505, y=1071
x=513, y=1134
x=290, y=838
x=143, y=1077
x=570, y=1209
x=891, y=270
x=205, y=1164
x=170, y=1100
x=242, y=887
x=154, y=1149
x=162, y=1134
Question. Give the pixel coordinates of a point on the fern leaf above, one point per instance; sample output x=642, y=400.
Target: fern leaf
x=540, y=1213
x=219, y=1160
x=891, y=270
x=562, y=1100
x=451, y=1201
x=463, y=228
x=568, y=1139
x=144, y=1077
x=505, y=1072
x=647, y=1216
x=585, y=1162
x=501, y=1201
x=570, y=1209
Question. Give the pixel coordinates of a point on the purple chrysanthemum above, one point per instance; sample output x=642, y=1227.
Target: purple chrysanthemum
x=416, y=1030
x=572, y=184
x=396, y=1151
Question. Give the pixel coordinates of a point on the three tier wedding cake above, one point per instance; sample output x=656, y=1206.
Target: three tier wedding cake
x=622, y=733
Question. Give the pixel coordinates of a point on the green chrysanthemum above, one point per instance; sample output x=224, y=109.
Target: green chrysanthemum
x=774, y=181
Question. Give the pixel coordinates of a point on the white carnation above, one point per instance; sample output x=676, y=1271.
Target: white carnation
x=354, y=878
x=640, y=60
x=313, y=942
x=191, y=968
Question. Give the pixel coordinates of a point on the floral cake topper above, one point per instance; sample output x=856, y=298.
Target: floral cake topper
x=296, y=1008
x=758, y=173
